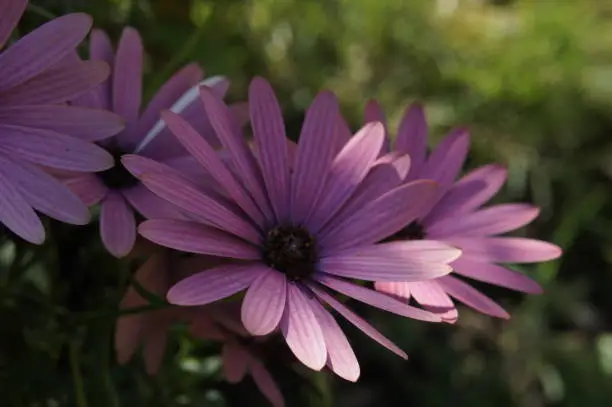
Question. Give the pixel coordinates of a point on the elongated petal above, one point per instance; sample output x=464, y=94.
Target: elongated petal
x=213, y=284
x=41, y=48
x=506, y=249
x=343, y=134
x=150, y=205
x=45, y=193
x=271, y=141
x=376, y=299
x=266, y=384
x=194, y=237
x=117, y=225
x=264, y=303
x=154, y=348
x=83, y=123
x=17, y=215
x=348, y=170
x=51, y=149
x=315, y=152
x=235, y=359
x=469, y=193
x=11, y=12
x=444, y=164
x=101, y=49
x=359, y=322
x=373, y=112
x=340, y=356
x=397, y=289
x=489, y=221
x=381, y=217
x=432, y=297
x=88, y=188
x=471, y=297
x=494, y=274
x=302, y=331
x=412, y=138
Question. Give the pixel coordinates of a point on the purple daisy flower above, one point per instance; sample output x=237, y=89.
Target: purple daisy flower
x=292, y=228
x=459, y=219
x=117, y=191
x=38, y=73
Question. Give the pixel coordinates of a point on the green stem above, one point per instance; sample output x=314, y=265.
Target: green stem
x=79, y=388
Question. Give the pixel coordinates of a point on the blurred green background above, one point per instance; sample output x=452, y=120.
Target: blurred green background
x=532, y=80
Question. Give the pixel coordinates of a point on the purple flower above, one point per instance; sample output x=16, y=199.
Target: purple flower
x=459, y=219
x=118, y=192
x=38, y=74
x=293, y=227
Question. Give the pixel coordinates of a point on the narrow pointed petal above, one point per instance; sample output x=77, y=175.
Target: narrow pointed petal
x=117, y=225
x=127, y=78
x=412, y=138
x=302, y=331
x=376, y=299
x=315, y=153
x=373, y=112
x=11, y=12
x=359, y=322
x=340, y=356
x=42, y=48
x=445, y=162
x=213, y=284
x=432, y=297
x=101, y=49
x=494, y=274
x=196, y=238
x=55, y=150
x=489, y=221
x=88, y=188
x=45, y=193
x=471, y=297
x=397, y=289
x=264, y=303
x=266, y=384
x=343, y=134
x=17, y=215
x=381, y=217
x=150, y=205
x=235, y=362
x=506, y=249
x=348, y=170
x=271, y=141
x=82, y=123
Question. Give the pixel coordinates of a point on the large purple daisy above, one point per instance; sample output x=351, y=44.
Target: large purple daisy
x=38, y=73
x=459, y=219
x=118, y=192
x=295, y=229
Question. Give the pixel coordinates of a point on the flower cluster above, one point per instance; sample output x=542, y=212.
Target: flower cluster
x=250, y=238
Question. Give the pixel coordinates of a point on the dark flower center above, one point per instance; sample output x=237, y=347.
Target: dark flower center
x=290, y=250
x=414, y=231
x=117, y=177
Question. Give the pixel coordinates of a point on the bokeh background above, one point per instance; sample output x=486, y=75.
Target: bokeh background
x=533, y=81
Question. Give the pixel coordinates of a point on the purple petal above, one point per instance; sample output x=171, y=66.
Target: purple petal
x=357, y=321
x=444, y=164
x=117, y=225
x=83, y=123
x=266, y=384
x=489, y=221
x=101, y=49
x=469, y=193
x=88, y=188
x=186, y=196
x=264, y=303
x=349, y=168
x=150, y=205
x=374, y=113
x=432, y=297
x=471, y=297
x=213, y=284
x=235, y=362
x=55, y=150
x=376, y=299
x=41, y=48
x=380, y=217
x=340, y=356
x=494, y=274
x=11, y=12
x=271, y=141
x=45, y=193
x=315, y=152
x=343, y=134
x=302, y=330
x=412, y=138
x=17, y=215
x=399, y=290
x=506, y=249
x=194, y=237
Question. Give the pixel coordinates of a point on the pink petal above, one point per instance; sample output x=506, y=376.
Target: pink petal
x=45, y=147
x=302, y=330
x=376, y=299
x=266, y=384
x=117, y=225
x=11, y=12
x=264, y=303
x=381, y=217
x=343, y=134
x=374, y=113
x=214, y=284
x=358, y=321
x=494, y=274
x=150, y=205
x=101, y=49
x=271, y=142
x=471, y=297
x=489, y=221
x=315, y=153
x=235, y=362
x=506, y=249
x=444, y=164
x=398, y=290
x=412, y=138
x=340, y=356
x=88, y=188
x=42, y=48
x=194, y=237
x=431, y=296
x=17, y=215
